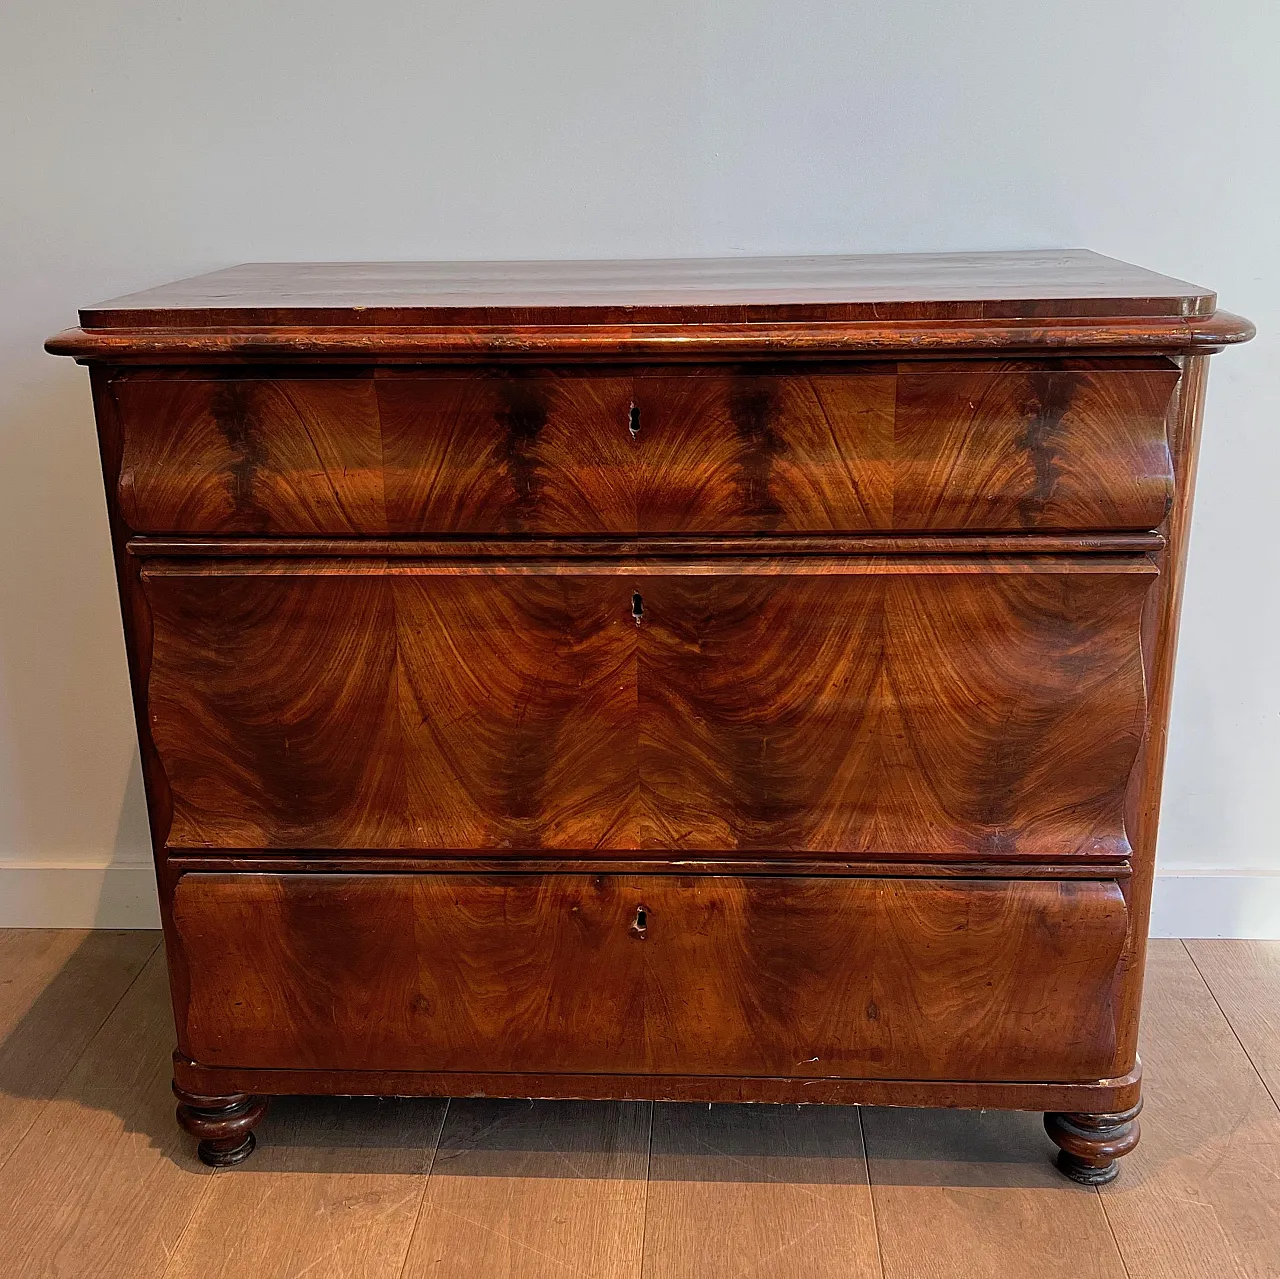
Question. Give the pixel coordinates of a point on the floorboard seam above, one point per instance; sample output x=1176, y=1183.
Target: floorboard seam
x=56, y=1088
x=871, y=1195
x=1275, y=1101
x=1115, y=1239
x=648, y=1167
x=22, y=1136
x=426, y=1186
x=196, y=1209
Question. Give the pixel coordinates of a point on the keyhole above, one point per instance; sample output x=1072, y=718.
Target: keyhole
x=634, y=427
x=640, y=924
x=637, y=608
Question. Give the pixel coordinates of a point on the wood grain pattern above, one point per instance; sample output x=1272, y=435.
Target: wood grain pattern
x=765, y=1191
x=983, y=447
x=816, y=567
x=741, y=290
x=275, y=862
x=535, y=1190
x=771, y=976
x=925, y=708
x=646, y=548
x=879, y=713
x=220, y=455
x=1031, y=448
x=672, y=343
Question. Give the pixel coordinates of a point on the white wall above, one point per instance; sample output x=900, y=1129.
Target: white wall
x=146, y=140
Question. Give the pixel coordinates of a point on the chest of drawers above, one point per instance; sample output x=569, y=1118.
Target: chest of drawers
x=729, y=680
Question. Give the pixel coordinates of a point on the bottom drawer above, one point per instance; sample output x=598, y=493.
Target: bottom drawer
x=711, y=975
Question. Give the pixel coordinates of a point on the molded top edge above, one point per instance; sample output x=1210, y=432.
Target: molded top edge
x=1029, y=284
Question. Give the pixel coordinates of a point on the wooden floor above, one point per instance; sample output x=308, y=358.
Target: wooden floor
x=97, y=1182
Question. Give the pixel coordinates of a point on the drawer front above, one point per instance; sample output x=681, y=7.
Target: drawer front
x=967, y=708
x=878, y=978
x=925, y=447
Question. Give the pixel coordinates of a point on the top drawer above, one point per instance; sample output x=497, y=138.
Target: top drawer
x=929, y=446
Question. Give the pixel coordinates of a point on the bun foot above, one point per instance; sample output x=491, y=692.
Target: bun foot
x=224, y=1125
x=1089, y=1145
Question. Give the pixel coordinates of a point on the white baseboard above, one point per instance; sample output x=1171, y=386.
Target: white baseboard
x=83, y=895
x=1216, y=904
x=78, y=895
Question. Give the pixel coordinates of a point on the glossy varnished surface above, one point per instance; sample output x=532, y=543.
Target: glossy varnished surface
x=700, y=975
x=799, y=307
x=801, y=340
x=961, y=708
x=734, y=290
x=936, y=446
x=645, y=549
x=656, y=681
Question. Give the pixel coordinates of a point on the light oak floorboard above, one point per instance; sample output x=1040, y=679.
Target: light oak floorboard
x=522, y=1190
x=334, y=1189
x=1201, y=1194
x=773, y=1192
x=971, y=1195
x=104, y=1183
x=57, y=987
x=1244, y=977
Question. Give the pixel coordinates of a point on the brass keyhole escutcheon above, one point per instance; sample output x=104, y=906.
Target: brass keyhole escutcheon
x=637, y=607
x=640, y=925
x=633, y=424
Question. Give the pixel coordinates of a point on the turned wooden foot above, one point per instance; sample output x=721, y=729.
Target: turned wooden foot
x=224, y=1125
x=1089, y=1145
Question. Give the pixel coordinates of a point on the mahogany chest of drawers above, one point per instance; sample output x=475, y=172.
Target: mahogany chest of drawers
x=726, y=680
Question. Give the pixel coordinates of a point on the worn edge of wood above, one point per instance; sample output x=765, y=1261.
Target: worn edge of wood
x=1096, y=1096
x=661, y=341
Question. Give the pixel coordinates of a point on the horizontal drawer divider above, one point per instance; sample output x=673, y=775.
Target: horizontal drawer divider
x=358, y=862
x=1127, y=543
x=763, y=566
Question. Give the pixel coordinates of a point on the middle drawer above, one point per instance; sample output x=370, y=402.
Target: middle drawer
x=925, y=446
x=971, y=707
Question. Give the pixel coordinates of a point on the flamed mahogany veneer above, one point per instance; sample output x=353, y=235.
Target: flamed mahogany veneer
x=725, y=680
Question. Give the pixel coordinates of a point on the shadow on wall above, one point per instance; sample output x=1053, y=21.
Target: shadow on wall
x=74, y=848
x=128, y=891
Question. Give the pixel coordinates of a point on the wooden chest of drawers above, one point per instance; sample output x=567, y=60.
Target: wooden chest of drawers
x=739, y=680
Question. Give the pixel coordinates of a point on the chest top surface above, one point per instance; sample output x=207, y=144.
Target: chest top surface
x=1061, y=283
x=908, y=305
